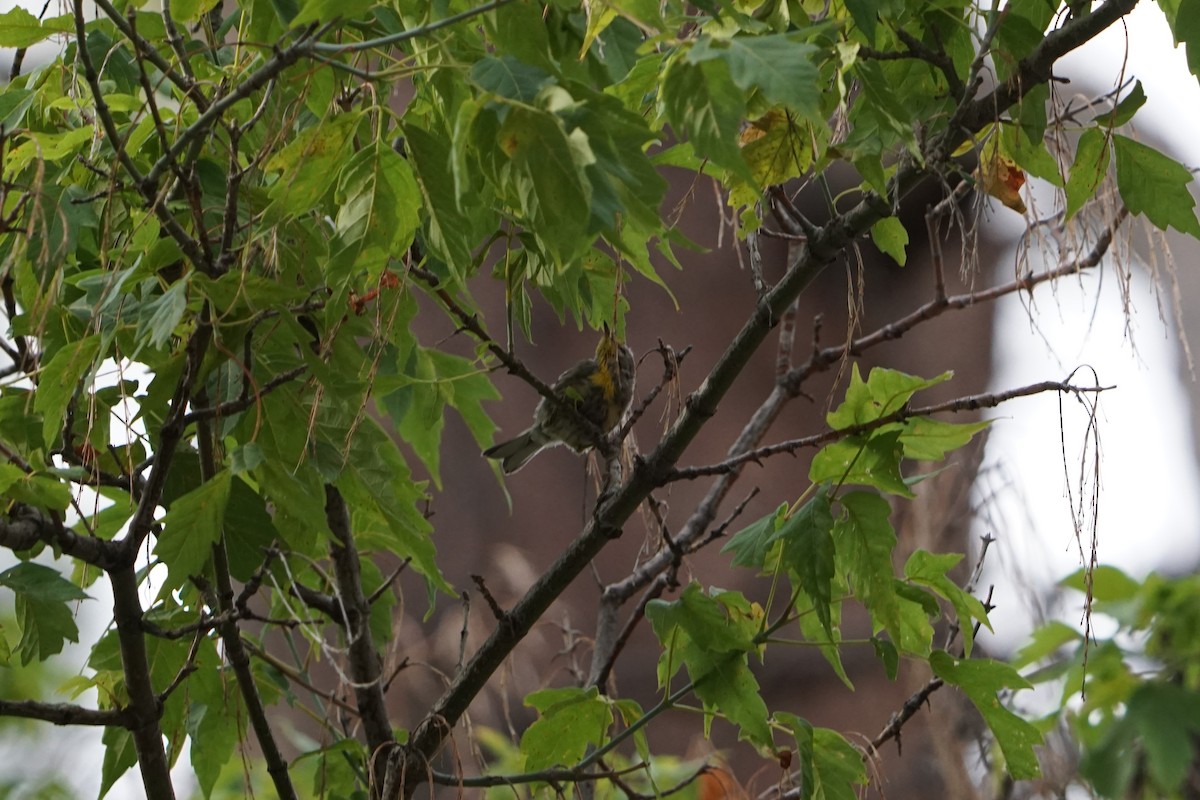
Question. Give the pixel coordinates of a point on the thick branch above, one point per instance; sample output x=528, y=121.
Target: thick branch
x=366, y=667
x=27, y=527
x=66, y=713
x=144, y=709
x=1037, y=67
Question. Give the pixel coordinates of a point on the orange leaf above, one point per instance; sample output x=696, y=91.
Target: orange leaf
x=1002, y=179
x=718, y=784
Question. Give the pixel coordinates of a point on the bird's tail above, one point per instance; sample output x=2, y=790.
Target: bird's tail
x=515, y=453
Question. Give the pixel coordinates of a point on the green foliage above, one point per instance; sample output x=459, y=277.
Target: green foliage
x=1153, y=184
x=45, y=615
x=838, y=545
x=233, y=238
x=830, y=767
x=1132, y=699
x=981, y=681
x=571, y=720
x=713, y=636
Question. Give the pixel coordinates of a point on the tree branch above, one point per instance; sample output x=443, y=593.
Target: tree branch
x=243, y=403
x=366, y=666
x=231, y=634
x=411, y=33
x=27, y=527
x=970, y=403
x=169, y=437
x=66, y=713
x=144, y=708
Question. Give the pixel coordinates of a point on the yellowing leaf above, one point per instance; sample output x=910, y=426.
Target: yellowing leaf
x=599, y=16
x=777, y=148
x=1000, y=176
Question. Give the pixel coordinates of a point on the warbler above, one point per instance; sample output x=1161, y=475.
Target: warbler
x=599, y=389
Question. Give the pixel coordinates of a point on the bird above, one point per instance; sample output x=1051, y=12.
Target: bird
x=599, y=389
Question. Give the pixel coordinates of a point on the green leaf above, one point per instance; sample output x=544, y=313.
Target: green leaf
x=509, y=77
x=431, y=380
x=1092, y=156
x=215, y=723
x=981, y=680
x=378, y=487
x=191, y=527
x=298, y=500
x=927, y=439
x=310, y=164
x=886, y=652
x=1045, y=641
x=918, y=608
x=449, y=230
x=572, y=720
x=863, y=461
x=59, y=381
x=864, y=13
x=245, y=458
x=1184, y=18
x=249, y=529
x=549, y=178
x=1129, y=106
x=1150, y=183
x=330, y=10
x=120, y=754
x=725, y=683
x=779, y=67
x=703, y=103
x=750, y=545
x=631, y=711
x=891, y=238
x=467, y=388
x=159, y=317
x=1024, y=144
x=716, y=657
x=865, y=541
x=34, y=490
x=377, y=199
x=19, y=28
x=14, y=103
x=885, y=391
x=191, y=10
x=930, y=570
x=423, y=416
x=808, y=553
x=1108, y=583
x=705, y=620
x=41, y=583
x=827, y=639
x=830, y=768
x=44, y=617
x=1167, y=717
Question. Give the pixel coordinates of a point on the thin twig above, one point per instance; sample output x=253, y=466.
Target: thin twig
x=969, y=403
x=497, y=611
